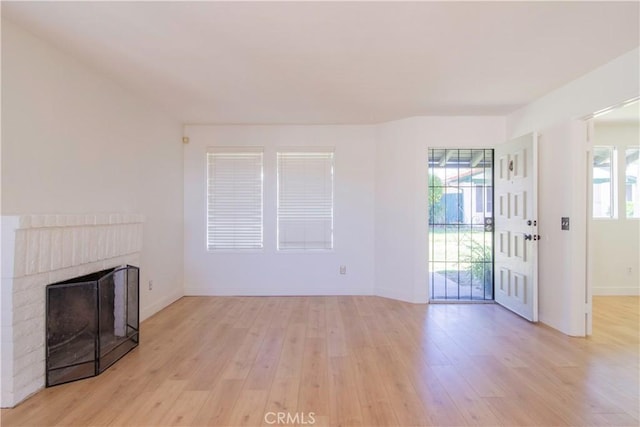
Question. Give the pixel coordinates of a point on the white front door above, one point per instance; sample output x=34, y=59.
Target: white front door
x=516, y=226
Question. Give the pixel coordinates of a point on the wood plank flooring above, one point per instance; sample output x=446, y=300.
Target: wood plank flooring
x=356, y=361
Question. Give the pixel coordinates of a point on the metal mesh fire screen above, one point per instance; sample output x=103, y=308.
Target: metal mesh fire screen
x=92, y=321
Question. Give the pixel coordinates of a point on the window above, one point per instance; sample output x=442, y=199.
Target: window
x=234, y=198
x=604, y=205
x=632, y=190
x=479, y=199
x=305, y=200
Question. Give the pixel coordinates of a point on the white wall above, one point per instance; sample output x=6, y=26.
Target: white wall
x=270, y=272
x=562, y=254
x=401, y=238
x=562, y=192
x=616, y=242
x=610, y=84
x=75, y=142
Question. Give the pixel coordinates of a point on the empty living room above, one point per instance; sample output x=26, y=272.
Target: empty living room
x=320, y=213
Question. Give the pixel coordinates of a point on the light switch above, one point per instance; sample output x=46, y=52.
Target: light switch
x=564, y=224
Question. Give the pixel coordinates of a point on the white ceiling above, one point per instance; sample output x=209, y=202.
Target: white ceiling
x=336, y=62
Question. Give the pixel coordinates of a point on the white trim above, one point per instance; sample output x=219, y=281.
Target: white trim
x=616, y=291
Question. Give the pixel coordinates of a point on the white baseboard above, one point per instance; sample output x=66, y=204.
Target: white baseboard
x=150, y=310
x=394, y=294
x=616, y=291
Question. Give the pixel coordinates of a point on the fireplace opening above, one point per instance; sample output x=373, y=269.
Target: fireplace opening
x=92, y=321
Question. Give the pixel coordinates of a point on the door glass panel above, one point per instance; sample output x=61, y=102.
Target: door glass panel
x=460, y=224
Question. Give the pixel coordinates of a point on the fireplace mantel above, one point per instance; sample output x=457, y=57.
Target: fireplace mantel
x=38, y=250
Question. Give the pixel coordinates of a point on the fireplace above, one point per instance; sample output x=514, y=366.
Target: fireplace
x=91, y=322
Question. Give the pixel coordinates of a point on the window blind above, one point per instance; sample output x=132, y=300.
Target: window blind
x=234, y=198
x=305, y=200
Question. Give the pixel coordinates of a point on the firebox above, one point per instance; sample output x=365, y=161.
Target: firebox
x=92, y=321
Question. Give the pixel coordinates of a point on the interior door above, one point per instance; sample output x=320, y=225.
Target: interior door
x=516, y=226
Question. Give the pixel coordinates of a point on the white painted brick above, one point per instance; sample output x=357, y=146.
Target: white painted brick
x=34, y=328
x=64, y=274
x=66, y=259
x=61, y=220
x=33, y=250
x=93, y=244
x=30, y=282
x=37, y=221
x=90, y=219
x=44, y=256
x=32, y=387
x=128, y=238
x=72, y=220
x=20, y=257
x=27, y=312
x=111, y=242
x=25, y=221
x=101, y=242
x=121, y=239
x=27, y=297
x=50, y=220
x=28, y=341
x=56, y=248
x=89, y=268
x=102, y=219
x=86, y=242
x=35, y=357
x=77, y=245
x=112, y=263
x=7, y=399
x=28, y=378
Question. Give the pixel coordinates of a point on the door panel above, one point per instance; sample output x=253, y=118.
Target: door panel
x=516, y=226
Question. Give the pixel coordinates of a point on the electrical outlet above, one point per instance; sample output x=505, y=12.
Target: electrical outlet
x=343, y=269
x=150, y=285
x=630, y=271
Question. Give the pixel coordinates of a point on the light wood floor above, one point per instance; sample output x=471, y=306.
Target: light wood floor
x=368, y=361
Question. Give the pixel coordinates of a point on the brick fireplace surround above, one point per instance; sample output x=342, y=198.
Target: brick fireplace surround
x=38, y=250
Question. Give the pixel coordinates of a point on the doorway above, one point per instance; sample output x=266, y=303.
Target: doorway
x=613, y=216
x=461, y=225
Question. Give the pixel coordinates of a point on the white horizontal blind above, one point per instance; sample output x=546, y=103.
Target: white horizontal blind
x=234, y=198
x=305, y=200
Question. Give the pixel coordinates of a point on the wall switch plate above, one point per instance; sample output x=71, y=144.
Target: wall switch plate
x=343, y=269
x=564, y=223
x=150, y=285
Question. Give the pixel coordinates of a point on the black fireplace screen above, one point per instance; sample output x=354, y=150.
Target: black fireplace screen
x=92, y=321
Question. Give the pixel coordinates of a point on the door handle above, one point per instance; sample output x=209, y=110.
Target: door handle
x=532, y=237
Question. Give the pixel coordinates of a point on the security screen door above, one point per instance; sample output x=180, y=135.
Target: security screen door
x=461, y=224
x=516, y=237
